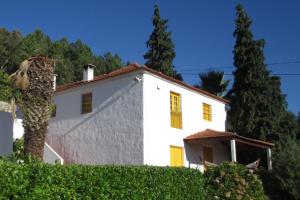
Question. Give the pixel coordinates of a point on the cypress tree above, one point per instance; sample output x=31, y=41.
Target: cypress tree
x=161, y=51
x=257, y=104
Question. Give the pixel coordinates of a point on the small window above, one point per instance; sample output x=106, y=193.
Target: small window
x=207, y=114
x=53, y=111
x=175, y=108
x=86, y=103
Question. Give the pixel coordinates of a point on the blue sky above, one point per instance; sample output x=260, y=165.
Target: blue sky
x=201, y=30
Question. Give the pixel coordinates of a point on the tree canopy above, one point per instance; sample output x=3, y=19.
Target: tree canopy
x=69, y=56
x=256, y=102
x=161, y=49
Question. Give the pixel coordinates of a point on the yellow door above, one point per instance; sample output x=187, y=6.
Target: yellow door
x=176, y=156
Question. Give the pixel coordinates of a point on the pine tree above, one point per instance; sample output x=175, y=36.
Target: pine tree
x=161, y=51
x=257, y=104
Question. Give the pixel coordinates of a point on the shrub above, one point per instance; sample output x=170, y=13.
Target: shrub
x=232, y=181
x=5, y=87
x=43, y=181
x=285, y=176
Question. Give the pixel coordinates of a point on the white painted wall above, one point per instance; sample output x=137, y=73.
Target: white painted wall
x=51, y=156
x=18, y=129
x=158, y=133
x=6, y=133
x=112, y=133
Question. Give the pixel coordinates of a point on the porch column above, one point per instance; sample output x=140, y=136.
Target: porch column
x=233, y=150
x=269, y=159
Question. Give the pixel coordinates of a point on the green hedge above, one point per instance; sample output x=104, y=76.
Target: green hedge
x=42, y=181
x=233, y=182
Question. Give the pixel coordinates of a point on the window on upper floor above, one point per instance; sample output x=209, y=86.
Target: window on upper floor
x=86, y=103
x=175, y=108
x=207, y=113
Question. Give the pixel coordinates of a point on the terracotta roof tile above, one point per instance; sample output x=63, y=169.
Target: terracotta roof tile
x=213, y=134
x=114, y=73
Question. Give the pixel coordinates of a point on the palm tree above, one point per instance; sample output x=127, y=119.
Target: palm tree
x=213, y=82
x=35, y=80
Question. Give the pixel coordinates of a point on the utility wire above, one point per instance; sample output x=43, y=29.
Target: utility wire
x=230, y=67
x=230, y=74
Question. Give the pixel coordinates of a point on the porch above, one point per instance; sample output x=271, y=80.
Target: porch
x=215, y=147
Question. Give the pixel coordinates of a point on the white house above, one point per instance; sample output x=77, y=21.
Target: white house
x=139, y=116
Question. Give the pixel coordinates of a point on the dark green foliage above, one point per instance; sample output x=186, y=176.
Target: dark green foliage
x=18, y=149
x=42, y=181
x=70, y=57
x=11, y=50
x=284, y=181
x=5, y=87
x=37, y=43
x=298, y=127
x=161, y=51
x=287, y=169
x=257, y=104
x=213, y=82
x=232, y=181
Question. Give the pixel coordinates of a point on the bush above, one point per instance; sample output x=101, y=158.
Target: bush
x=285, y=176
x=5, y=87
x=43, y=181
x=232, y=181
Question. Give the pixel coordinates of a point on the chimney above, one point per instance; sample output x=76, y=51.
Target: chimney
x=88, y=72
x=54, y=81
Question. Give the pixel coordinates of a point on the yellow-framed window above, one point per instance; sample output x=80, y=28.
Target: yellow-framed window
x=176, y=156
x=207, y=112
x=175, y=110
x=86, y=103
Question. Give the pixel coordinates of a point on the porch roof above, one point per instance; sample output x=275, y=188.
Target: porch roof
x=212, y=134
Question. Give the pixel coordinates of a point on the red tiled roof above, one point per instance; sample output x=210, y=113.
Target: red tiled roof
x=114, y=73
x=212, y=134
x=135, y=67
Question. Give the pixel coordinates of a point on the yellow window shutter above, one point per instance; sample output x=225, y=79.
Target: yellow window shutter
x=176, y=156
x=207, y=112
x=175, y=110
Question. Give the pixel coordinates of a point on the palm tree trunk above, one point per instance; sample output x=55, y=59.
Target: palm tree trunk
x=36, y=102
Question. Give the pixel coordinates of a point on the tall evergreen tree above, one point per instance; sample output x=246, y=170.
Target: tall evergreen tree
x=257, y=104
x=161, y=51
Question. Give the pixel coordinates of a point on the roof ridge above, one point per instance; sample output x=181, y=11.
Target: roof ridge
x=135, y=66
